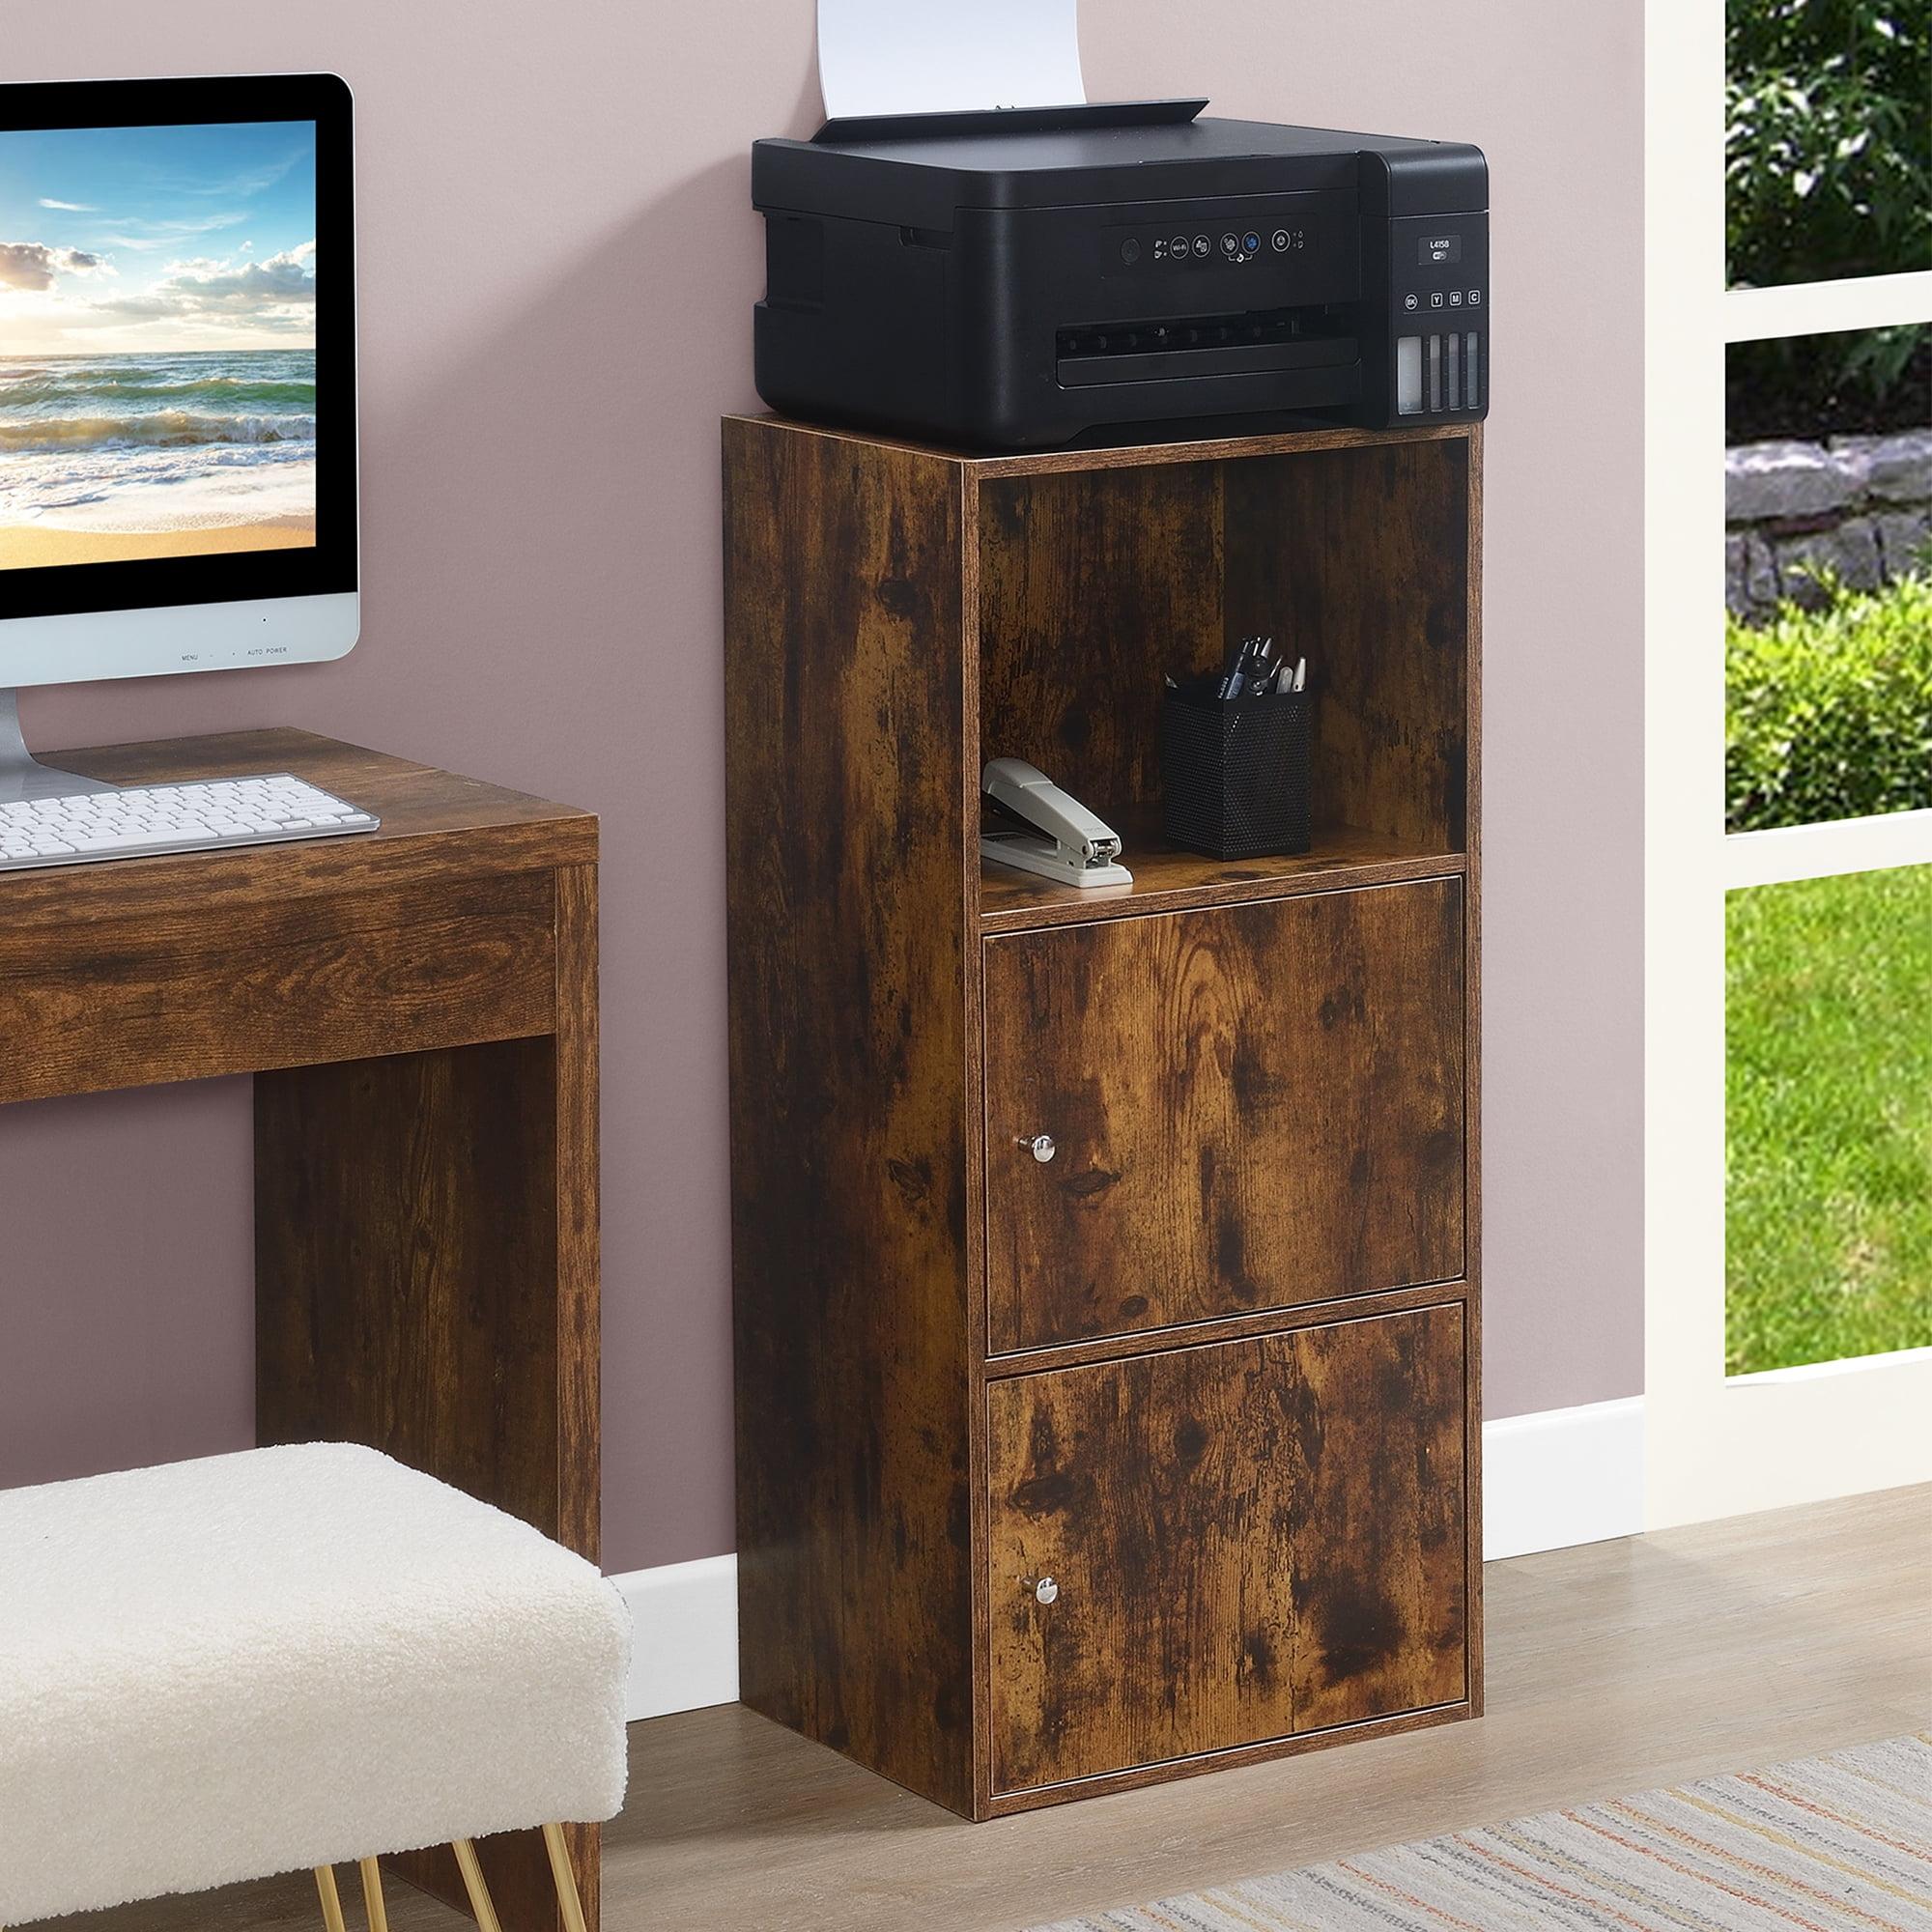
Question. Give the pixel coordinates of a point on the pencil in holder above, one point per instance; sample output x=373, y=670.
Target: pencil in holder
x=1235, y=772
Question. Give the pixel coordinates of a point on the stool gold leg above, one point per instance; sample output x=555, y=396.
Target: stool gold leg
x=567, y=1900
x=472, y=1884
x=372, y=1896
x=332, y=1899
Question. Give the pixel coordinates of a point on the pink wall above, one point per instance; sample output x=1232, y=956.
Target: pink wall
x=558, y=265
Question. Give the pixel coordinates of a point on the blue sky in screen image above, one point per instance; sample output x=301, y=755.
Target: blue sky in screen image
x=158, y=240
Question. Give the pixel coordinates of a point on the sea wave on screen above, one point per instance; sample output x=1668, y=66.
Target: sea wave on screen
x=144, y=442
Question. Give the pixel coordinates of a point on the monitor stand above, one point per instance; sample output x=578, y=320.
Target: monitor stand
x=21, y=775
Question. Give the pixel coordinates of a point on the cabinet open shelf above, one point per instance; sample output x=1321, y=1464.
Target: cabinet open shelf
x=1097, y=582
x=1169, y=879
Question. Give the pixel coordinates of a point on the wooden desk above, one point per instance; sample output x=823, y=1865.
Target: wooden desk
x=418, y=1008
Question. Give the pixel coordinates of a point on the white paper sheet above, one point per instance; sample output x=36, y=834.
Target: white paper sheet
x=936, y=56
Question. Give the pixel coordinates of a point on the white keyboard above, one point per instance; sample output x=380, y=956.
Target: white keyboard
x=140, y=821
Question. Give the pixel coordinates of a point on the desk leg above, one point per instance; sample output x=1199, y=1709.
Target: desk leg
x=426, y=1281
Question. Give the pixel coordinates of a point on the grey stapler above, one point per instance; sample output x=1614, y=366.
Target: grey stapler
x=1057, y=835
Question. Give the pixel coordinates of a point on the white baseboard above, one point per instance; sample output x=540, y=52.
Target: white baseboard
x=1560, y=1477
x=684, y=1644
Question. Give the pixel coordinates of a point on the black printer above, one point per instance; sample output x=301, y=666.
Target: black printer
x=1029, y=277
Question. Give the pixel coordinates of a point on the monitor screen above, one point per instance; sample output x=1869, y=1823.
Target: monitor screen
x=175, y=423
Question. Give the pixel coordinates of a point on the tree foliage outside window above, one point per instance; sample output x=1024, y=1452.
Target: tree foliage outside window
x=1869, y=382
x=1828, y=151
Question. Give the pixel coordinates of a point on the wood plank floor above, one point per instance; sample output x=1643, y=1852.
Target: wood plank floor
x=1612, y=1669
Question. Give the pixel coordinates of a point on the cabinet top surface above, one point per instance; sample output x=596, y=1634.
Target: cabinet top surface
x=432, y=822
x=1127, y=454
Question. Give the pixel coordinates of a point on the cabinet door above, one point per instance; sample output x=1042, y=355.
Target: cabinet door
x=1246, y=1541
x=1253, y=1107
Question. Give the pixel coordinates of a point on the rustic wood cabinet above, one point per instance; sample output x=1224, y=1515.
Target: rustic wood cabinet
x=1162, y=1454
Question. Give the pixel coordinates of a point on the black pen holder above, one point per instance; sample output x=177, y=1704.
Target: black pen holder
x=1235, y=773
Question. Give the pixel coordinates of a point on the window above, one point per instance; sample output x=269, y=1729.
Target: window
x=1790, y=872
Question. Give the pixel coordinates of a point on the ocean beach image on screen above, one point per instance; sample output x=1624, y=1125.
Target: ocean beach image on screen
x=157, y=388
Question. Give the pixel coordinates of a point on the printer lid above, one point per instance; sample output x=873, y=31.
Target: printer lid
x=920, y=169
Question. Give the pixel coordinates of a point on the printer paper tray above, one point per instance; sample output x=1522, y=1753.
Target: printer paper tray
x=1078, y=372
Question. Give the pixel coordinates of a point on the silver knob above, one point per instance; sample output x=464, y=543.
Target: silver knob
x=1041, y=1145
x=1045, y=1590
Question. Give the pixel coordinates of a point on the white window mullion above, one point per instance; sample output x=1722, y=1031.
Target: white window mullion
x=1825, y=308
x=1823, y=851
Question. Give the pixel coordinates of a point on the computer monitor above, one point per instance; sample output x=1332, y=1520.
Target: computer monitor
x=178, y=465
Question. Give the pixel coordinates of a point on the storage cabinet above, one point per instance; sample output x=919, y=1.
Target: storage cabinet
x=1158, y=1454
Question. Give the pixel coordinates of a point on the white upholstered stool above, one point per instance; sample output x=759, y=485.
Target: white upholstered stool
x=218, y=1670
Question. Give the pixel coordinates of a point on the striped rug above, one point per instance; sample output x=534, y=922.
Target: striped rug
x=1829, y=1844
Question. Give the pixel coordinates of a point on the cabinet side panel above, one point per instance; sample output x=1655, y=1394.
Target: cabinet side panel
x=1473, y=940
x=847, y=913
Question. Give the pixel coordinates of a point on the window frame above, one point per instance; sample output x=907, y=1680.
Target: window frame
x=1717, y=1444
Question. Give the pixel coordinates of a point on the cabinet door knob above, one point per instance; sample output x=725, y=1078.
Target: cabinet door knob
x=1041, y=1145
x=1045, y=1590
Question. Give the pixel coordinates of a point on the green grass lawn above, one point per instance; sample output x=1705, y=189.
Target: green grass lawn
x=1829, y=1094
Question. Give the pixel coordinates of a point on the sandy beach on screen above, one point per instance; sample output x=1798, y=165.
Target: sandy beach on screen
x=24, y=546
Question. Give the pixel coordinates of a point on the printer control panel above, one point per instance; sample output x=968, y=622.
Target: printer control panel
x=1442, y=266
x=1309, y=232
x=1209, y=245
x=1440, y=295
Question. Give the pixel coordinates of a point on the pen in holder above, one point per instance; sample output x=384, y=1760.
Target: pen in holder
x=1235, y=769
